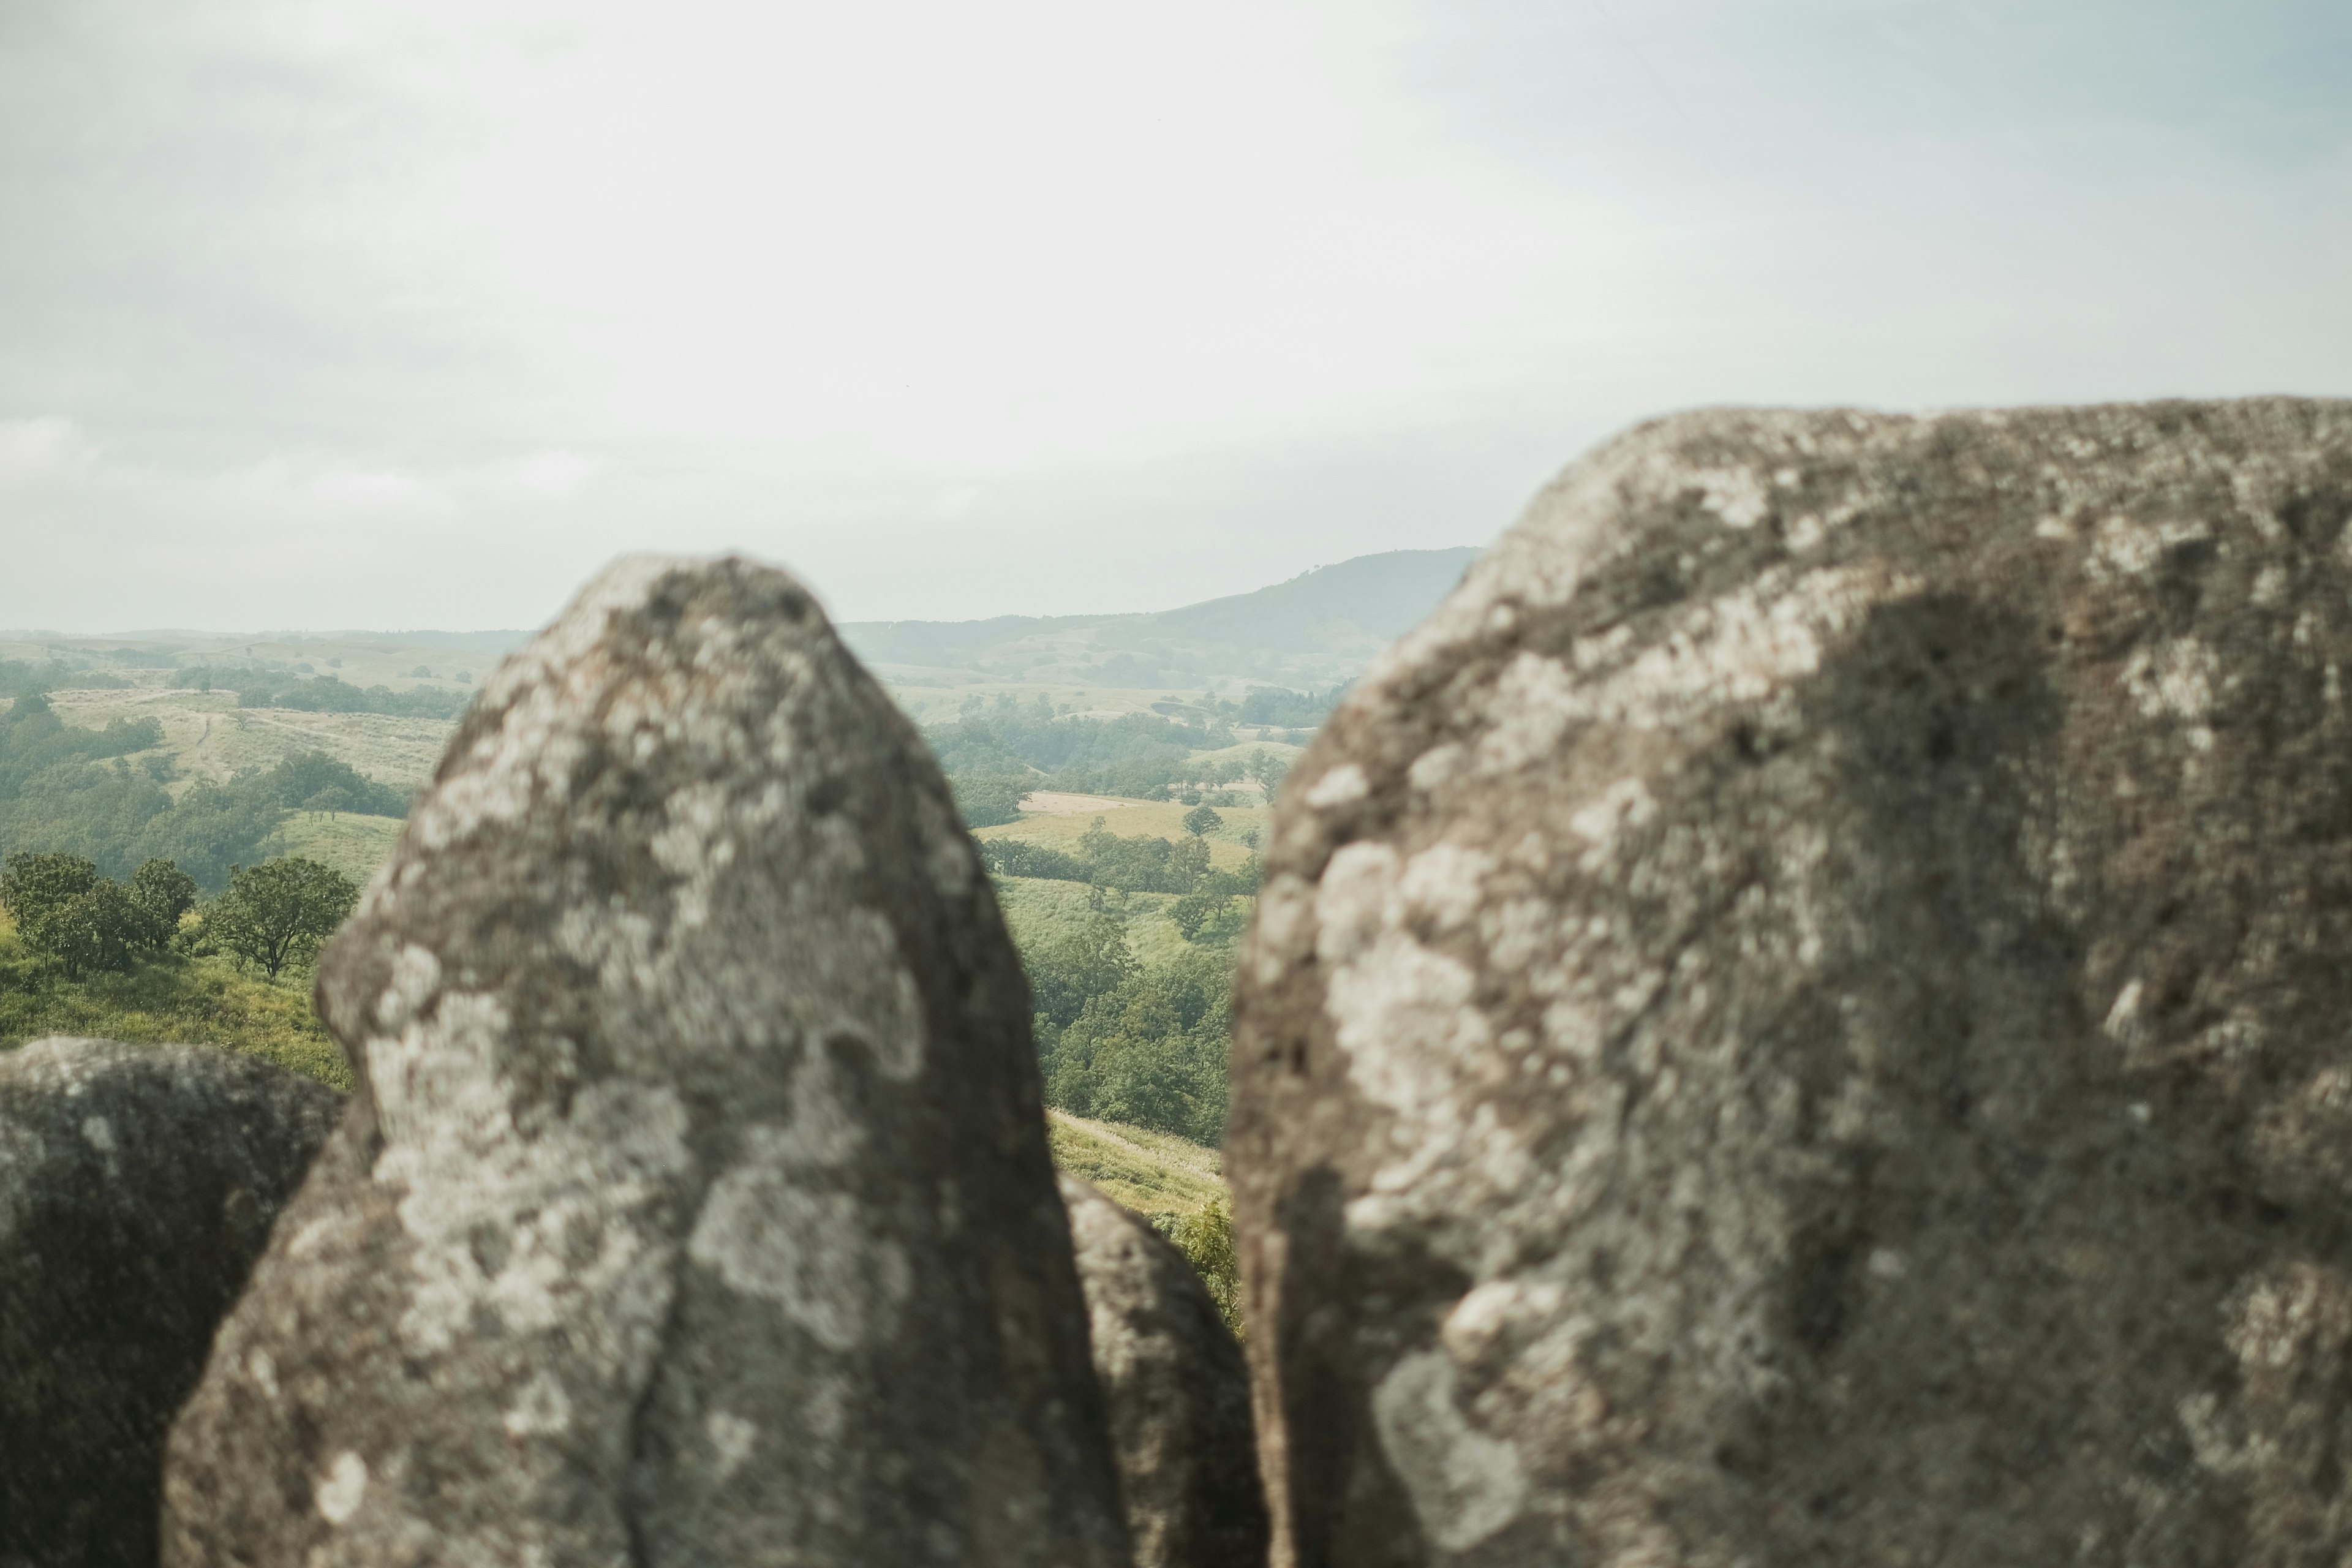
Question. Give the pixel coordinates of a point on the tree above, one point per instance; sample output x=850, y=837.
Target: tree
x=36, y=885
x=1205, y=1237
x=98, y=930
x=1202, y=820
x=1194, y=913
x=65, y=910
x=280, y=912
x=1268, y=770
x=1090, y=962
x=161, y=893
x=988, y=799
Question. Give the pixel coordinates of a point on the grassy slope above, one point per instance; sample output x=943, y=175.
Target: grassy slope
x=202, y=1001
x=1151, y=1173
x=207, y=735
x=351, y=844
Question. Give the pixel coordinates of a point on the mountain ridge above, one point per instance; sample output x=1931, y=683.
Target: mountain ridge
x=1320, y=627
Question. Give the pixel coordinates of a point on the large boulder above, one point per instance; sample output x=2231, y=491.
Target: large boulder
x=1177, y=1390
x=1802, y=1018
x=137, y=1185
x=697, y=1206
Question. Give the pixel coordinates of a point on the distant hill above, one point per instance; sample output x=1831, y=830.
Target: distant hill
x=1317, y=629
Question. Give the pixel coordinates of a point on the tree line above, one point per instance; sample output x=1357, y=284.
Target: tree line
x=78, y=923
x=995, y=752
x=332, y=694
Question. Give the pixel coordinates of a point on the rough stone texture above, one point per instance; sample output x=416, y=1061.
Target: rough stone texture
x=1177, y=1390
x=137, y=1186
x=696, y=1207
x=1802, y=1017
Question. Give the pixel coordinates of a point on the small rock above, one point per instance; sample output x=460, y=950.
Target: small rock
x=1801, y=1019
x=697, y=1207
x=1177, y=1390
x=137, y=1185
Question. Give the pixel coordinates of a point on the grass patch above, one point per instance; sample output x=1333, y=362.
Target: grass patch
x=198, y=1001
x=1157, y=1175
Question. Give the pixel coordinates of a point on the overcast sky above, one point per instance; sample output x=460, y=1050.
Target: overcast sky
x=356, y=313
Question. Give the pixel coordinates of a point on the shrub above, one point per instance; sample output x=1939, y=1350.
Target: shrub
x=1205, y=1237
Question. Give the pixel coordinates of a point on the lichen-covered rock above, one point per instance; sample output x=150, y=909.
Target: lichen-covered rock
x=697, y=1207
x=137, y=1186
x=1177, y=1390
x=1801, y=1018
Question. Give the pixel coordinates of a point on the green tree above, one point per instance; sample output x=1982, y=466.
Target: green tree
x=99, y=929
x=161, y=893
x=65, y=911
x=1202, y=820
x=1268, y=770
x=1091, y=962
x=34, y=886
x=280, y=912
x=1205, y=1237
x=988, y=799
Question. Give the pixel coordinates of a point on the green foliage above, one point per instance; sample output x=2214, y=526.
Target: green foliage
x=85, y=923
x=1122, y=1042
x=280, y=912
x=21, y=679
x=34, y=886
x=1268, y=770
x=1201, y=820
x=1138, y=755
x=1205, y=1237
x=1015, y=858
x=332, y=694
x=1288, y=709
x=72, y=789
x=162, y=893
x=313, y=781
x=1140, y=865
x=988, y=799
x=200, y=1000
x=97, y=930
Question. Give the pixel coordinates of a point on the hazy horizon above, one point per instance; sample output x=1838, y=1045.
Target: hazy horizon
x=353, y=316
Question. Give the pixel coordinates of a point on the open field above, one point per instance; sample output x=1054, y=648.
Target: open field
x=1151, y=1173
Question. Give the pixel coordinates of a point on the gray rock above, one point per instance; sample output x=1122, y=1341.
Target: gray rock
x=137, y=1186
x=697, y=1207
x=1177, y=1390
x=1801, y=1019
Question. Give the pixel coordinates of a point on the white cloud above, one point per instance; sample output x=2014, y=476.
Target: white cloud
x=42, y=448
x=1047, y=305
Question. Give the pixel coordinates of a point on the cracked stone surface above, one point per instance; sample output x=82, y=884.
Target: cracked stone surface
x=695, y=1206
x=1801, y=1018
x=137, y=1186
x=1177, y=1390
